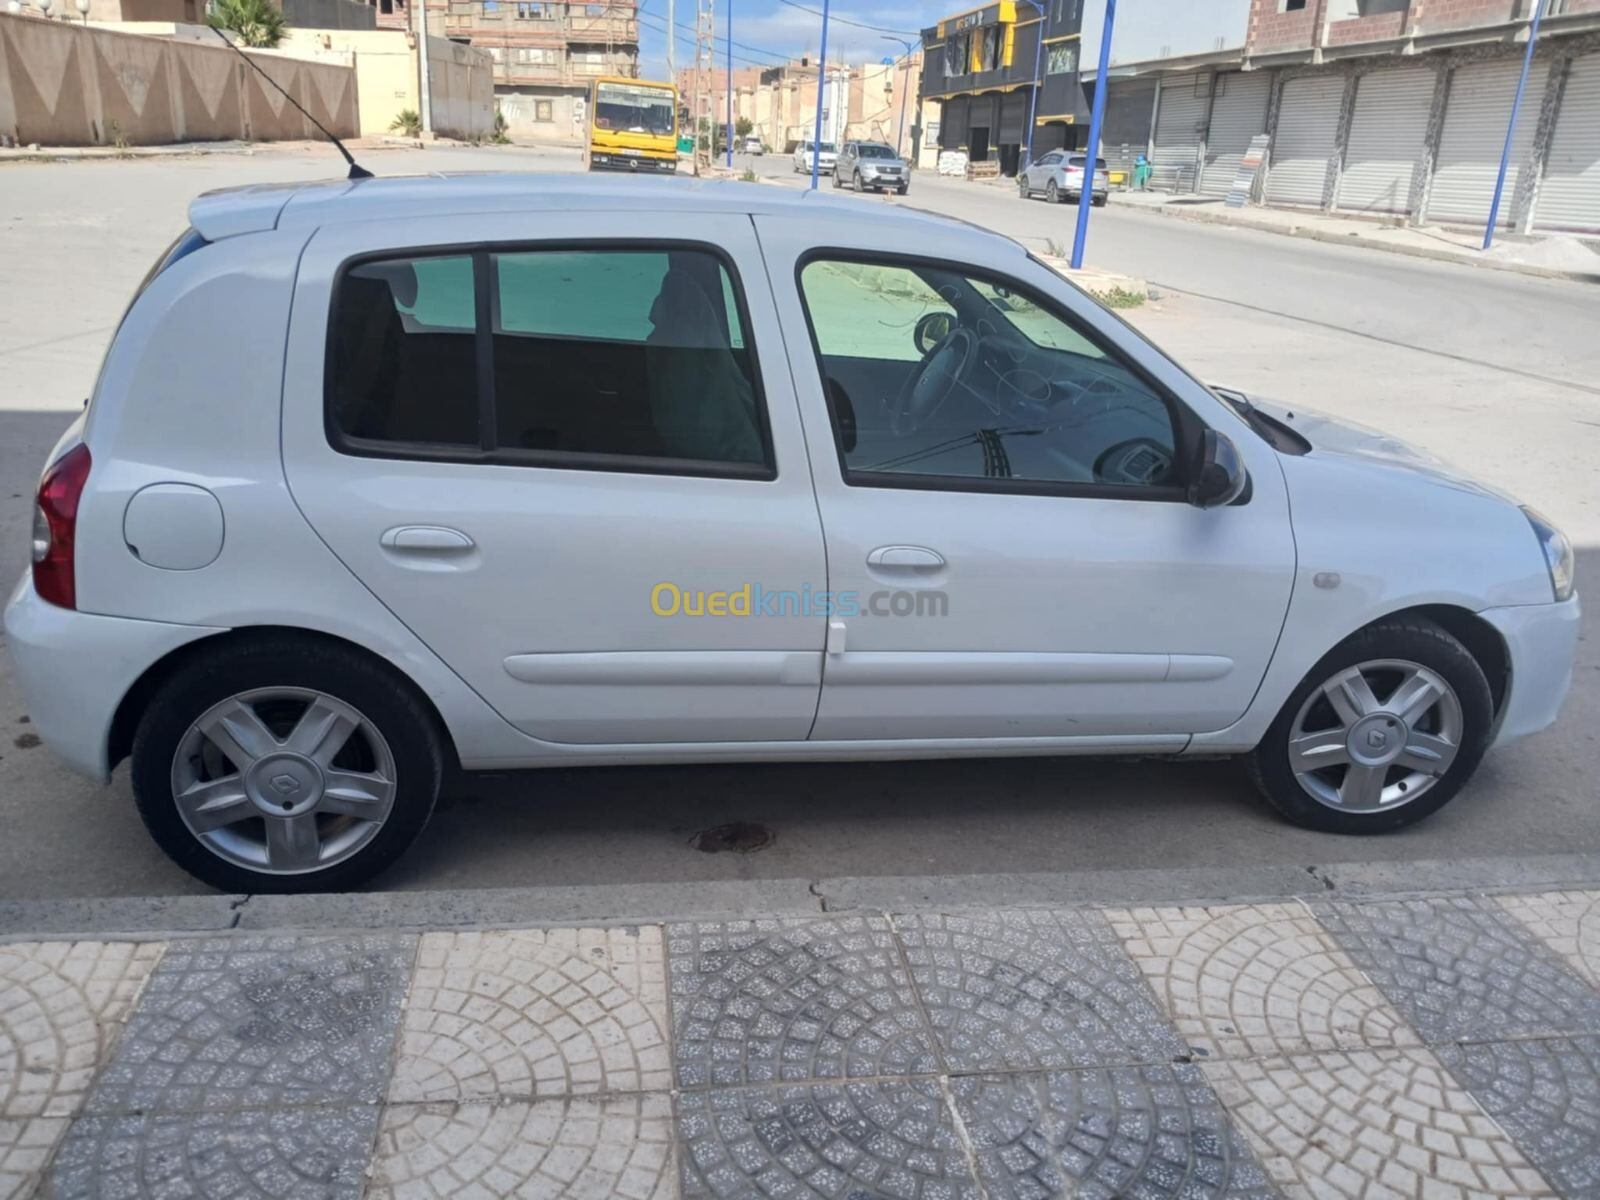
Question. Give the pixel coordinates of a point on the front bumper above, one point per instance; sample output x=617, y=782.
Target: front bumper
x=883, y=182
x=74, y=669
x=1543, y=641
x=637, y=164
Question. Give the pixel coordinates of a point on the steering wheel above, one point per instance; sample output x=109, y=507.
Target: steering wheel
x=929, y=385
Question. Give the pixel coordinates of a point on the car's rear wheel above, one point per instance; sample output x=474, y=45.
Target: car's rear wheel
x=1051, y=193
x=285, y=765
x=1384, y=731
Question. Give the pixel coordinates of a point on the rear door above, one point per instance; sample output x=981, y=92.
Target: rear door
x=571, y=464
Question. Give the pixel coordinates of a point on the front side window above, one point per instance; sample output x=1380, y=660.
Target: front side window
x=620, y=358
x=936, y=377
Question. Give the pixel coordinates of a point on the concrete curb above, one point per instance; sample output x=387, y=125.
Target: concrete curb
x=52, y=154
x=645, y=903
x=1342, y=239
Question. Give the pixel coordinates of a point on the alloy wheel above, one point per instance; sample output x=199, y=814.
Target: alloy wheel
x=1051, y=194
x=1354, y=752
x=283, y=780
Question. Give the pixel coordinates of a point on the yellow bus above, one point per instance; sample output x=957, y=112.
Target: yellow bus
x=633, y=126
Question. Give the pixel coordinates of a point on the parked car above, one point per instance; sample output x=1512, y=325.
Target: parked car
x=489, y=486
x=1058, y=176
x=871, y=166
x=753, y=145
x=825, y=161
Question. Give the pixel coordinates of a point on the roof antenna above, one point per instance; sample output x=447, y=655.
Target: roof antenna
x=356, y=172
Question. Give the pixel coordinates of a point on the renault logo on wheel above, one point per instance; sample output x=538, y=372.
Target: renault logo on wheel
x=1376, y=738
x=285, y=785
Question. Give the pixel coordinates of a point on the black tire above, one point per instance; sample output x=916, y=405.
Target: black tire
x=903, y=188
x=835, y=180
x=1022, y=187
x=1098, y=201
x=385, y=698
x=1412, y=639
x=1052, y=194
x=855, y=183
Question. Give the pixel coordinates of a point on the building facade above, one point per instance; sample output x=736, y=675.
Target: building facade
x=1391, y=108
x=979, y=70
x=874, y=101
x=546, y=55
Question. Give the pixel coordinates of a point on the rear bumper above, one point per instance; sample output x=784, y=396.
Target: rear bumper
x=1543, y=642
x=74, y=669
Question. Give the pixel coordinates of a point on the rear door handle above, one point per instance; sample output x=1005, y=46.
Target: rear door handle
x=906, y=558
x=426, y=539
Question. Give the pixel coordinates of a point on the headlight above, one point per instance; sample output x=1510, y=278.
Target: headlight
x=1557, y=554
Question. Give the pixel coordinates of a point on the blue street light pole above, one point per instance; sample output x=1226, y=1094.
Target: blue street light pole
x=1038, y=82
x=1511, y=126
x=1092, y=154
x=730, y=83
x=822, y=77
x=900, y=128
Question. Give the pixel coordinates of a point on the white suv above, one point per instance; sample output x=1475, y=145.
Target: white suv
x=534, y=471
x=825, y=162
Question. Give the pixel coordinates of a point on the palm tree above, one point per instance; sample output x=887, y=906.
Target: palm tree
x=259, y=23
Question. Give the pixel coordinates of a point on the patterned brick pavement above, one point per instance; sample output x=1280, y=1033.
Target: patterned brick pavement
x=1443, y=1048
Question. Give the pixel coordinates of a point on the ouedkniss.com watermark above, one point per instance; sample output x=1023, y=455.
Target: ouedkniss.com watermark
x=753, y=600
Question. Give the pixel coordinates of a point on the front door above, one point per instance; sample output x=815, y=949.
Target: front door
x=566, y=462
x=999, y=467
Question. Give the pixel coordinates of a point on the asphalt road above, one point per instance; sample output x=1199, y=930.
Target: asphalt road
x=1497, y=372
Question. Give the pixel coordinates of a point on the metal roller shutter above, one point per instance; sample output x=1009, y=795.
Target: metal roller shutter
x=1014, y=117
x=1239, y=114
x=1569, y=196
x=1130, y=103
x=1475, y=117
x=953, y=133
x=1178, y=120
x=1308, y=119
x=1387, y=131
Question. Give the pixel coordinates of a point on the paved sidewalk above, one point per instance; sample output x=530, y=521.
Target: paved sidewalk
x=1554, y=256
x=1444, y=1046
x=1546, y=255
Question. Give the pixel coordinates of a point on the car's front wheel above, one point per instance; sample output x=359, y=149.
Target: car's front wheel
x=285, y=765
x=1382, y=732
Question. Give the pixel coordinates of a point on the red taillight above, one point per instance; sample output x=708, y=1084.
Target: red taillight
x=55, y=527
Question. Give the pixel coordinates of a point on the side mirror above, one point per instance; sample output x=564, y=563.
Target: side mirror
x=1217, y=476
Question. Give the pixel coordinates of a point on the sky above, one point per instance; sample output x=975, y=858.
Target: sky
x=769, y=32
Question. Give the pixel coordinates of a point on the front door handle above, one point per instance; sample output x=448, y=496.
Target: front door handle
x=906, y=558
x=426, y=539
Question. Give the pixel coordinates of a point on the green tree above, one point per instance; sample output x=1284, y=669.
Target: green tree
x=743, y=126
x=259, y=23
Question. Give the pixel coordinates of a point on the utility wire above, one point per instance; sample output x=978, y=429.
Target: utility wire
x=772, y=54
x=838, y=20
x=754, y=62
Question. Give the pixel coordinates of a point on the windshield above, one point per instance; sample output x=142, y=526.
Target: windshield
x=827, y=147
x=869, y=150
x=625, y=108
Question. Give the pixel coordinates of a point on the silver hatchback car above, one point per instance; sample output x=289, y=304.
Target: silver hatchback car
x=1058, y=175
